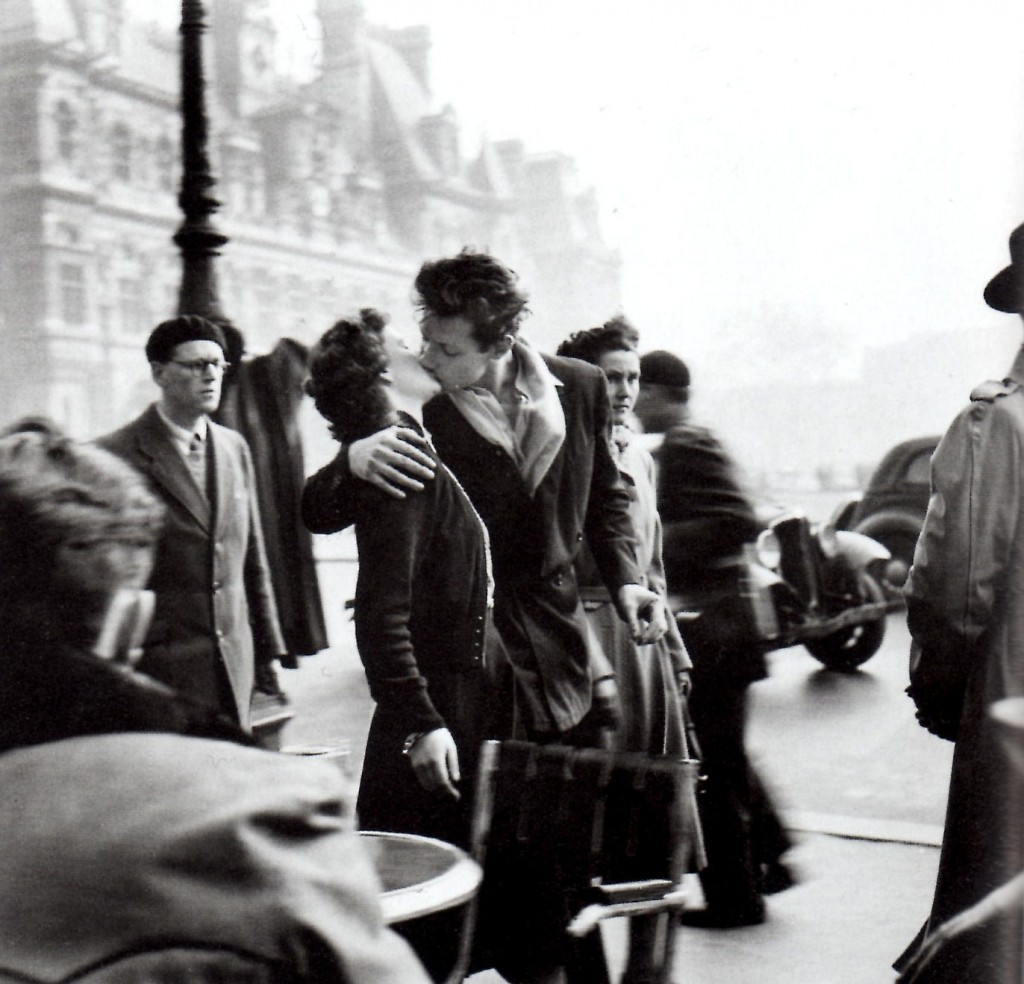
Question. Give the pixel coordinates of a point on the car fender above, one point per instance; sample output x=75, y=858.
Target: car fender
x=891, y=521
x=860, y=549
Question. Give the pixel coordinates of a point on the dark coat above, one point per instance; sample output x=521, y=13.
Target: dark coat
x=214, y=600
x=420, y=614
x=965, y=606
x=534, y=539
x=262, y=403
x=54, y=695
x=705, y=514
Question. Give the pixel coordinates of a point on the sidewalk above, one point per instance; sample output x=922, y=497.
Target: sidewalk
x=865, y=886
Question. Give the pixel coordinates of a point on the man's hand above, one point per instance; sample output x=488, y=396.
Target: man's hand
x=435, y=760
x=392, y=460
x=644, y=612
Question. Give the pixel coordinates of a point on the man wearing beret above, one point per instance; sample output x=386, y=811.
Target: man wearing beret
x=215, y=629
x=965, y=609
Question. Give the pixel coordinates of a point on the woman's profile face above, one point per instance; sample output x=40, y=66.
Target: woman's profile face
x=404, y=371
x=622, y=376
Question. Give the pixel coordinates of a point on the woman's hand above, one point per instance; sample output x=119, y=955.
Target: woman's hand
x=435, y=760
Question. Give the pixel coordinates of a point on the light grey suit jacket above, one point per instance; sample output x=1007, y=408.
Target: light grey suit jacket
x=214, y=598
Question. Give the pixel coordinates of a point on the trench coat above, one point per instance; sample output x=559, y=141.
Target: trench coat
x=965, y=601
x=214, y=601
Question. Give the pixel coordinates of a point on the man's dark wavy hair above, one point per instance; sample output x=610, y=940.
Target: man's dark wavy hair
x=474, y=286
x=616, y=335
x=346, y=377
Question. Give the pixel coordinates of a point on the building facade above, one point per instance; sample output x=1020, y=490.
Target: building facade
x=333, y=191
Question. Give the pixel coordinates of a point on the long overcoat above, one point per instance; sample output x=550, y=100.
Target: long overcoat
x=965, y=598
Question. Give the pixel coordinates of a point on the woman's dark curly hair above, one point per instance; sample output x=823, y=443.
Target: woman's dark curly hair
x=474, y=286
x=346, y=377
x=616, y=335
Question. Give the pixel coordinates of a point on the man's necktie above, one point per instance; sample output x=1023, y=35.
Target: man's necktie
x=197, y=461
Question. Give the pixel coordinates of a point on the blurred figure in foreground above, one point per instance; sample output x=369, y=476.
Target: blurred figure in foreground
x=136, y=848
x=215, y=631
x=652, y=680
x=965, y=609
x=707, y=519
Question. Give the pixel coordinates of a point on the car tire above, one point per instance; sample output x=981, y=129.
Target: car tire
x=851, y=647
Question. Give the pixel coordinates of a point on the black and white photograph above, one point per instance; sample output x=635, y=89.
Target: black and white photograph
x=511, y=493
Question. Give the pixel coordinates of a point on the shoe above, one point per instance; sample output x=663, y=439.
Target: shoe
x=776, y=877
x=721, y=919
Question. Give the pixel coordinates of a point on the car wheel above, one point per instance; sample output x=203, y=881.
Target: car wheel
x=853, y=646
x=901, y=545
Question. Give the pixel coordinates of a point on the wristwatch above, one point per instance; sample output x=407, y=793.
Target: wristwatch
x=410, y=741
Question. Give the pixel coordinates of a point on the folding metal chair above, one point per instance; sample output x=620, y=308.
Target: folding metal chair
x=568, y=837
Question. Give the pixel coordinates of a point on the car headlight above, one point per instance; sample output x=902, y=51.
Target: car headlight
x=768, y=549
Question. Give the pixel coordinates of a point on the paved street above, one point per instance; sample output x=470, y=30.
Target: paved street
x=861, y=784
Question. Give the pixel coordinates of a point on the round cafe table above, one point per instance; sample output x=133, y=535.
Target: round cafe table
x=420, y=875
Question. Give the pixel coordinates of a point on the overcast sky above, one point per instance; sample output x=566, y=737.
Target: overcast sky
x=800, y=175
x=800, y=171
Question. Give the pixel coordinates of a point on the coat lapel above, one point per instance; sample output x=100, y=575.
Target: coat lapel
x=224, y=478
x=167, y=469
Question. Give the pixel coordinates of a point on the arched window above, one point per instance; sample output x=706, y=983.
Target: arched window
x=67, y=131
x=121, y=150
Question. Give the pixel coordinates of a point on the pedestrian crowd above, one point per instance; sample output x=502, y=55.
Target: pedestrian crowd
x=522, y=559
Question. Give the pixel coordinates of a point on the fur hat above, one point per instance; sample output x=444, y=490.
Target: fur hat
x=168, y=335
x=1005, y=291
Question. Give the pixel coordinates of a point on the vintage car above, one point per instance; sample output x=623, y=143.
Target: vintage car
x=806, y=583
x=891, y=509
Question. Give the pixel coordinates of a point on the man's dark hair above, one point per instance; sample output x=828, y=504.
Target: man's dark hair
x=168, y=335
x=590, y=344
x=474, y=286
x=346, y=377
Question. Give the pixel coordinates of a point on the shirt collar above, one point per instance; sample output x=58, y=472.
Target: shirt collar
x=183, y=434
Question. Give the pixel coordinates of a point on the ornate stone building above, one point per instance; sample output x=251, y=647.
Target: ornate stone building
x=333, y=191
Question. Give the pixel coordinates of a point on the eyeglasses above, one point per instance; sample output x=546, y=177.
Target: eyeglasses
x=198, y=367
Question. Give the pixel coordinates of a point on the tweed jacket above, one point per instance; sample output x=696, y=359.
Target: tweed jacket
x=214, y=600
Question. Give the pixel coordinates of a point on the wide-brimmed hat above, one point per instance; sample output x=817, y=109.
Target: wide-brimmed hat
x=1005, y=291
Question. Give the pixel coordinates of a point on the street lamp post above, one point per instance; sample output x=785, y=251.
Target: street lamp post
x=198, y=239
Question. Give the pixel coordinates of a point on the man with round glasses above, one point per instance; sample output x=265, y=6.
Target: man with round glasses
x=215, y=629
